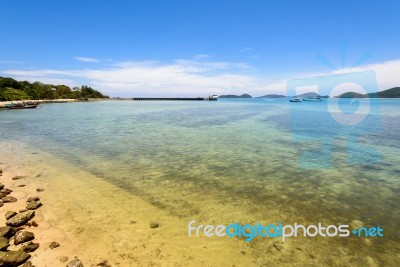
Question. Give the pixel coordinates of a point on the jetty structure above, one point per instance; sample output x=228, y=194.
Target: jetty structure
x=208, y=98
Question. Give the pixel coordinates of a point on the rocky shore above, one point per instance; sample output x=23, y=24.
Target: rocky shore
x=17, y=229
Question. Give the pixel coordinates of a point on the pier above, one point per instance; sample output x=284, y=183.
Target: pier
x=209, y=98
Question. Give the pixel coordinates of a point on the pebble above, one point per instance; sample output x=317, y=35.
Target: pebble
x=63, y=258
x=75, y=263
x=54, y=245
x=39, y=189
x=17, y=177
x=154, y=225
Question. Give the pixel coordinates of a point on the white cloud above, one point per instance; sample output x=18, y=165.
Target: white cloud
x=87, y=59
x=193, y=77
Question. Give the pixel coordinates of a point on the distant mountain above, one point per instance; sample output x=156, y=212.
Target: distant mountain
x=235, y=96
x=271, y=96
x=389, y=93
x=310, y=94
x=351, y=95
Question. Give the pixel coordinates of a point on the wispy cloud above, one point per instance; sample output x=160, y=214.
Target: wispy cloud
x=88, y=59
x=190, y=77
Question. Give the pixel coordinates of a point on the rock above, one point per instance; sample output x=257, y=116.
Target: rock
x=32, y=205
x=22, y=210
x=22, y=237
x=356, y=224
x=54, y=245
x=278, y=246
x=63, y=258
x=27, y=264
x=14, y=258
x=33, y=223
x=5, y=191
x=21, y=218
x=30, y=247
x=39, y=189
x=6, y=231
x=21, y=185
x=18, y=177
x=30, y=199
x=154, y=225
x=1, y=186
x=3, y=243
x=75, y=263
x=10, y=214
x=1, y=203
x=9, y=199
x=103, y=264
x=2, y=194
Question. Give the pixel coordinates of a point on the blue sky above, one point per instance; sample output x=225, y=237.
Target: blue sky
x=176, y=47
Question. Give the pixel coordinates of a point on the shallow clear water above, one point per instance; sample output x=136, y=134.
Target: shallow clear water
x=236, y=160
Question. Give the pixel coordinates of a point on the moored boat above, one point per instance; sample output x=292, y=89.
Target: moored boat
x=23, y=105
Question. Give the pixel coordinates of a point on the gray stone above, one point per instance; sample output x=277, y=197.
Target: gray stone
x=9, y=199
x=22, y=237
x=75, y=263
x=10, y=214
x=14, y=258
x=21, y=218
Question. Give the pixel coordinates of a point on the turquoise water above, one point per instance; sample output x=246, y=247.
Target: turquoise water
x=258, y=159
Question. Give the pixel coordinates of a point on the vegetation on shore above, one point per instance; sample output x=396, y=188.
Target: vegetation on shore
x=389, y=93
x=11, y=90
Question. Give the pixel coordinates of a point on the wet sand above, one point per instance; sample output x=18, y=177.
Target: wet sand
x=96, y=221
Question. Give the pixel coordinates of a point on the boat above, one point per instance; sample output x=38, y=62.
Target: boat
x=295, y=100
x=23, y=105
x=314, y=98
x=211, y=98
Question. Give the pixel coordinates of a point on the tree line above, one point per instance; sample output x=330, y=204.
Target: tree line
x=11, y=90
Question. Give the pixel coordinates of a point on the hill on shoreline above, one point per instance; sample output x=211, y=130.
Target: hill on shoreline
x=389, y=93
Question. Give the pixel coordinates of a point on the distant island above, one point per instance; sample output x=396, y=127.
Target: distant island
x=235, y=96
x=311, y=95
x=11, y=90
x=389, y=93
x=271, y=96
